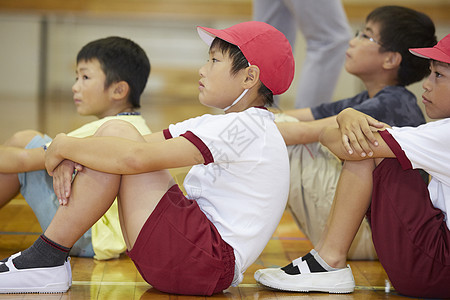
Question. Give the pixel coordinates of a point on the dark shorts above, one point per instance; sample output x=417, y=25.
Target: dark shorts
x=180, y=251
x=409, y=234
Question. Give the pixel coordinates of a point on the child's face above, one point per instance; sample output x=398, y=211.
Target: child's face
x=89, y=93
x=436, y=96
x=363, y=57
x=217, y=87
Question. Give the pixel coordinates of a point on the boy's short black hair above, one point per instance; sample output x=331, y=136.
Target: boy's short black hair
x=402, y=28
x=121, y=60
x=239, y=62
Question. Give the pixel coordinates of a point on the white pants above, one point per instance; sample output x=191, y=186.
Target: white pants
x=324, y=25
x=314, y=175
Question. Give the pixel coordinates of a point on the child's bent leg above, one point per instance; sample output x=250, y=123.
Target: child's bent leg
x=9, y=182
x=22, y=138
x=138, y=196
x=172, y=243
x=326, y=270
x=351, y=201
x=44, y=266
x=9, y=186
x=410, y=235
x=92, y=194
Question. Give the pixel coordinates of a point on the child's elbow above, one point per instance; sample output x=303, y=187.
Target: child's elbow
x=324, y=136
x=133, y=162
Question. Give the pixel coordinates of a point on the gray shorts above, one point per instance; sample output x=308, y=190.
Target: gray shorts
x=37, y=189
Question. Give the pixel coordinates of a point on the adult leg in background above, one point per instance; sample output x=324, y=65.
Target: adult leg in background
x=325, y=27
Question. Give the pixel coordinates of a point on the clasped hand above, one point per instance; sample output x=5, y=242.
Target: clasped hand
x=357, y=131
x=61, y=169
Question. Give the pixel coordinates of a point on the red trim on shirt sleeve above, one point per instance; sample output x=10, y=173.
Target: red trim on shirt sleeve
x=398, y=151
x=167, y=134
x=204, y=150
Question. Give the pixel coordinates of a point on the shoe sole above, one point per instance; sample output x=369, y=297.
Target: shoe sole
x=306, y=289
x=49, y=289
x=311, y=283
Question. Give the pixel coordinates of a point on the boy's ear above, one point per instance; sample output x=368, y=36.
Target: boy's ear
x=120, y=90
x=251, y=77
x=393, y=60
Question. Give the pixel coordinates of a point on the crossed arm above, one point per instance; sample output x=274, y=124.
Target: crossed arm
x=304, y=132
x=356, y=138
x=115, y=155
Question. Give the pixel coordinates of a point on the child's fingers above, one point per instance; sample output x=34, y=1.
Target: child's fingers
x=366, y=150
x=368, y=140
x=375, y=123
x=357, y=144
x=78, y=167
x=346, y=144
x=57, y=188
x=62, y=179
x=67, y=189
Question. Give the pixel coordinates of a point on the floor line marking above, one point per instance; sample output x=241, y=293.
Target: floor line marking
x=243, y=285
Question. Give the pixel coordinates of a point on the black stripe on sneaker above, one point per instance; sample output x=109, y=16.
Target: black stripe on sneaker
x=3, y=268
x=314, y=266
x=290, y=269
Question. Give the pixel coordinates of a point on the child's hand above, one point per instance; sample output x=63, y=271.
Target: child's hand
x=52, y=156
x=357, y=131
x=63, y=176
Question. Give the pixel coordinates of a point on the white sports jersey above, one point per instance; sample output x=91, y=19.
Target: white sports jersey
x=243, y=186
x=427, y=147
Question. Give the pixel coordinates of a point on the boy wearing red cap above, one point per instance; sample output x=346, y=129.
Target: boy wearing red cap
x=197, y=244
x=379, y=56
x=380, y=178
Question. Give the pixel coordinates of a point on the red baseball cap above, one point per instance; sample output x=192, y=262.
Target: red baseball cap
x=263, y=46
x=440, y=52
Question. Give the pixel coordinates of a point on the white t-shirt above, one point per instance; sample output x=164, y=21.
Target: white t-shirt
x=243, y=186
x=427, y=147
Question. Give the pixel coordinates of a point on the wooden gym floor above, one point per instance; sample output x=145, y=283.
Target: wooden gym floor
x=119, y=279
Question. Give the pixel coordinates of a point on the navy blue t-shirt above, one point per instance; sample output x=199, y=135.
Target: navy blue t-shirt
x=393, y=105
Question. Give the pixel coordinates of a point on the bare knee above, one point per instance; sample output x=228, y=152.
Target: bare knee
x=365, y=164
x=22, y=138
x=119, y=128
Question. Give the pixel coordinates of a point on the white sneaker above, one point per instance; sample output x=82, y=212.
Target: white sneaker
x=35, y=280
x=339, y=281
x=69, y=270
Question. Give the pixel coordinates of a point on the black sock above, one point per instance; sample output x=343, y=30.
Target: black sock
x=43, y=253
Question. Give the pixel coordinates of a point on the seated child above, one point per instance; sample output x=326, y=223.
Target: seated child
x=379, y=56
x=111, y=76
x=381, y=178
x=237, y=189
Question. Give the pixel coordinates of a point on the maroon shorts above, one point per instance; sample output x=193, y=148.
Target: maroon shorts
x=409, y=234
x=180, y=251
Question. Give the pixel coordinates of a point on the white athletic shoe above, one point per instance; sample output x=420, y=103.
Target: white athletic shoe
x=35, y=280
x=339, y=281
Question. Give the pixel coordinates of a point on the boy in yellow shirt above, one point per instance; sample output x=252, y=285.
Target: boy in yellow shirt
x=111, y=75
